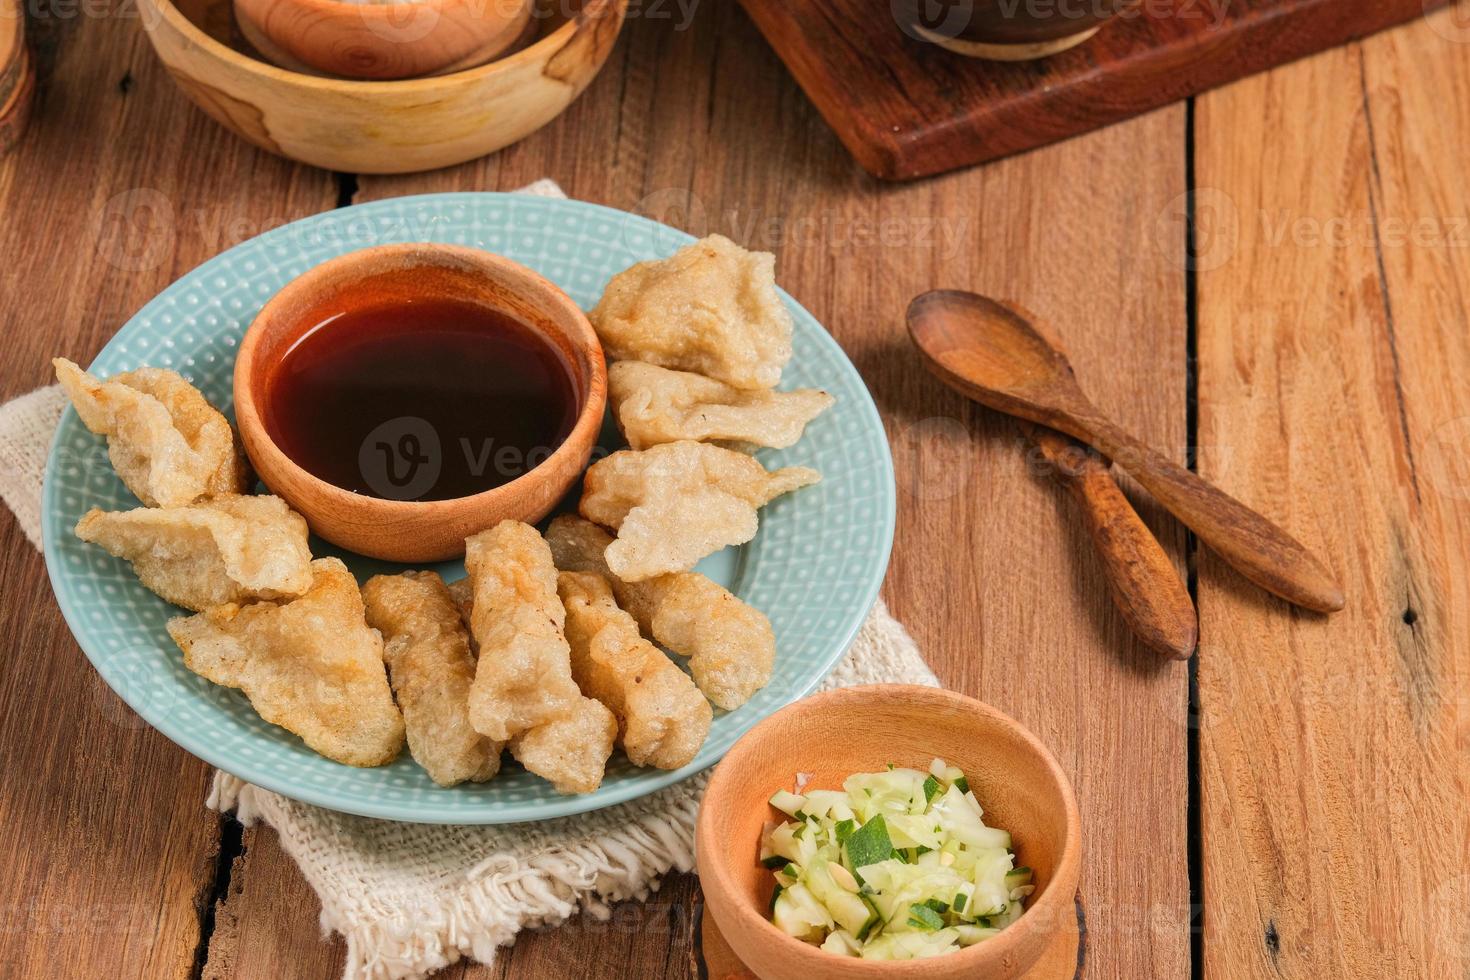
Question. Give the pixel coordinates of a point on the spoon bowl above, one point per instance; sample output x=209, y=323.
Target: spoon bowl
x=990, y=351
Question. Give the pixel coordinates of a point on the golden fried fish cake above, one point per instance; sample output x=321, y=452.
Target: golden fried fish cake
x=655, y=405
x=222, y=549
x=167, y=443
x=729, y=643
x=675, y=503
x=524, y=675
x=662, y=717
x=430, y=667
x=309, y=664
x=570, y=752
x=711, y=308
x=462, y=591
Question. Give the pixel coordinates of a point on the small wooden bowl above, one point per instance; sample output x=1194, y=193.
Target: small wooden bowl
x=861, y=729
x=417, y=531
x=380, y=40
x=382, y=127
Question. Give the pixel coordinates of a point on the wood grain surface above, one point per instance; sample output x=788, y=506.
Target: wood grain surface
x=908, y=108
x=1333, y=355
x=117, y=189
x=1330, y=836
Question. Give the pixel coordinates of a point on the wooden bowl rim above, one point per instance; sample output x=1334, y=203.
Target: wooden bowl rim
x=530, y=54
x=716, y=876
x=583, y=433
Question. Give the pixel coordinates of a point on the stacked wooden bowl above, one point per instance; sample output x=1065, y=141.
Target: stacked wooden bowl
x=380, y=126
x=17, y=75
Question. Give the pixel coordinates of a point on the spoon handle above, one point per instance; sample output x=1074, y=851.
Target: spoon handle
x=1258, y=549
x=1146, y=588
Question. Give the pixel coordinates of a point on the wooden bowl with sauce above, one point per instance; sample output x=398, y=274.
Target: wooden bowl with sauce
x=832, y=735
x=404, y=397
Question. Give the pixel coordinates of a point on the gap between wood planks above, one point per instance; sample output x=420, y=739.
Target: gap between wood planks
x=1194, y=820
x=231, y=847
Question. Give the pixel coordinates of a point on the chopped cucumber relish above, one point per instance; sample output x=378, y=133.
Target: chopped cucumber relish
x=896, y=865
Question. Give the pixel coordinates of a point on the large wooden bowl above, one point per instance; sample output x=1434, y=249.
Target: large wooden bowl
x=860, y=729
x=392, y=275
x=382, y=127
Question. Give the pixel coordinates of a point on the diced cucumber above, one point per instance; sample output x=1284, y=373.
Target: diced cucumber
x=970, y=935
x=898, y=865
x=787, y=802
x=827, y=803
x=869, y=844
x=842, y=943
x=852, y=913
x=782, y=842
x=925, y=918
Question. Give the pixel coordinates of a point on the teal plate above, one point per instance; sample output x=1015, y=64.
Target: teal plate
x=814, y=568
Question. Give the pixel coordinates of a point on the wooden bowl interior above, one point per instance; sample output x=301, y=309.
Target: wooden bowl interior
x=834, y=735
x=216, y=18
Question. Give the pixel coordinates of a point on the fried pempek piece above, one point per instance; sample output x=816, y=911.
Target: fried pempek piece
x=229, y=548
x=730, y=644
x=309, y=664
x=570, y=752
x=524, y=675
x=427, y=649
x=167, y=443
x=655, y=405
x=711, y=308
x=462, y=591
x=662, y=717
x=674, y=504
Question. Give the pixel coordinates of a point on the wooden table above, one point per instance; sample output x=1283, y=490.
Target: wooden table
x=1291, y=804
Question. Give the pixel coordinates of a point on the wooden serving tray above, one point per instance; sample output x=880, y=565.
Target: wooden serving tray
x=906, y=108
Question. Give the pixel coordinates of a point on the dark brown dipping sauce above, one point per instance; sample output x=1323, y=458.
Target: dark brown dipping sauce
x=429, y=400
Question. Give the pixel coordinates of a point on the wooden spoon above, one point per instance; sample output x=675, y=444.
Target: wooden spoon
x=1146, y=589
x=993, y=354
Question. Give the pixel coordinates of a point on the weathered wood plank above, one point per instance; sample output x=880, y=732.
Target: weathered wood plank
x=1332, y=358
x=118, y=187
